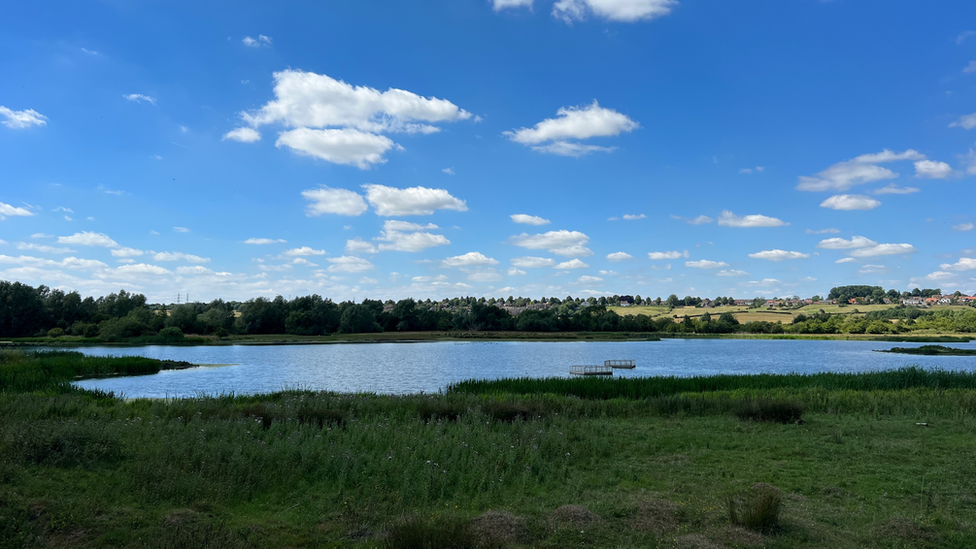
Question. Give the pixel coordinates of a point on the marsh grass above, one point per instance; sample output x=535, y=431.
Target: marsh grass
x=757, y=509
x=775, y=411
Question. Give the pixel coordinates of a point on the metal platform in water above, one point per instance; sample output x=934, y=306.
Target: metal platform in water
x=595, y=370
x=625, y=364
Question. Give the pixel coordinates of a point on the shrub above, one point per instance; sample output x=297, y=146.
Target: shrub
x=55, y=332
x=758, y=509
x=777, y=411
x=171, y=334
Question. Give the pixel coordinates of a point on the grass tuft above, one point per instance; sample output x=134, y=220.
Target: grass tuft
x=757, y=509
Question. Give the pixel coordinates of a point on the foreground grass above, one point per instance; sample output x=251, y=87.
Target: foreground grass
x=480, y=468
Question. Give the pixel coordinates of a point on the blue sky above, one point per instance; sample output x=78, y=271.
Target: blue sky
x=488, y=148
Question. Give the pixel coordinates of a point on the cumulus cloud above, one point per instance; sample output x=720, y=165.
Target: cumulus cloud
x=626, y=11
x=526, y=219
x=895, y=189
x=303, y=261
x=360, y=246
x=88, y=239
x=842, y=244
x=962, y=227
x=325, y=200
x=243, y=135
x=931, y=169
x=778, y=255
x=41, y=248
x=258, y=42
x=587, y=279
x=966, y=122
x=389, y=201
x=857, y=171
x=562, y=242
x=262, y=241
x=964, y=264
x=729, y=219
x=529, y=262
x=342, y=123
x=304, y=251
x=401, y=236
x=706, y=264
x=667, y=255
x=13, y=211
x=194, y=270
x=633, y=217
x=486, y=275
x=553, y=135
x=846, y=260
x=731, y=272
x=572, y=264
x=469, y=259
x=499, y=5
x=850, y=202
x=18, y=120
x=884, y=249
x=177, y=256
x=140, y=98
x=619, y=256
x=339, y=146
x=348, y=264
x=126, y=252
x=700, y=220
x=512, y=271
x=143, y=269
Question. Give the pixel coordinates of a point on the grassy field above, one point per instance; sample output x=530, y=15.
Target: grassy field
x=745, y=314
x=513, y=463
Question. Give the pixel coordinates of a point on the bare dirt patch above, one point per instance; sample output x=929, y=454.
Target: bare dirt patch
x=497, y=526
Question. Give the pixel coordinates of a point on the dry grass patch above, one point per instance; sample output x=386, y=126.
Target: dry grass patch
x=497, y=527
x=905, y=529
x=573, y=514
x=656, y=515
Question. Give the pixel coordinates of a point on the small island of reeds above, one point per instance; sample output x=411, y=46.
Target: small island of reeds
x=930, y=350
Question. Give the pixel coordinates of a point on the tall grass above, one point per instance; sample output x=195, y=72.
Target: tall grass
x=23, y=371
x=911, y=377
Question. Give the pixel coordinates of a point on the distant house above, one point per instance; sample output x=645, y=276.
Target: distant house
x=914, y=301
x=945, y=300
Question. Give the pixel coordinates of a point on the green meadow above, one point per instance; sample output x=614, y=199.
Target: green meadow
x=829, y=460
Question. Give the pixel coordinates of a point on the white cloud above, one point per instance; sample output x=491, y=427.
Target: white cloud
x=846, y=260
x=608, y=273
x=348, y=264
x=126, y=252
x=884, y=249
x=575, y=123
x=303, y=261
x=400, y=241
x=894, y=189
x=572, y=264
x=700, y=220
x=529, y=262
x=176, y=256
x=841, y=244
x=857, y=171
x=194, y=270
x=587, y=279
x=962, y=227
x=261, y=40
x=396, y=225
x=499, y=5
x=966, y=122
x=469, y=259
x=562, y=242
x=142, y=269
x=937, y=276
x=964, y=264
x=448, y=171
x=970, y=68
x=244, y=135
x=731, y=272
x=778, y=255
x=41, y=248
x=360, y=246
x=627, y=11
x=339, y=146
x=487, y=275
x=262, y=241
x=88, y=239
x=632, y=217
x=529, y=219
x=13, y=211
x=303, y=251
x=181, y=229
x=823, y=231
x=706, y=264
x=850, y=202
x=275, y=268
x=140, y=98
x=729, y=219
x=388, y=201
x=19, y=120
x=931, y=169
x=512, y=271
x=667, y=255
x=326, y=200
x=619, y=256
x=872, y=269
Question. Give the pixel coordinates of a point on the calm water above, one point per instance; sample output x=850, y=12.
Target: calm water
x=429, y=367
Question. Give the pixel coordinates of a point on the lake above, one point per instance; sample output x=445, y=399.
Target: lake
x=430, y=366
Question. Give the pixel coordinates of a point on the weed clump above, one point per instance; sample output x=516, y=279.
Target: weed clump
x=433, y=410
x=773, y=411
x=320, y=417
x=509, y=412
x=757, y=509
x=260, y=412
